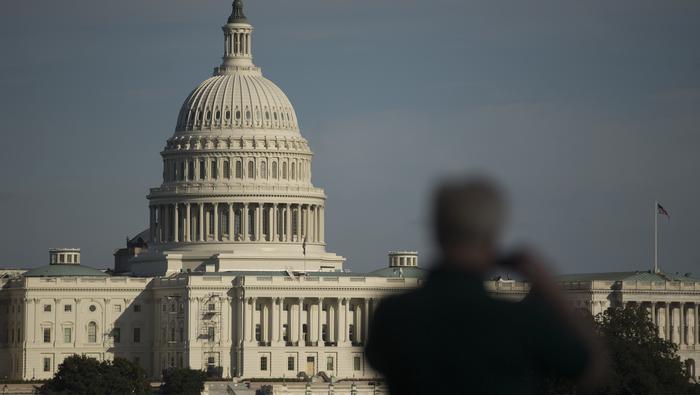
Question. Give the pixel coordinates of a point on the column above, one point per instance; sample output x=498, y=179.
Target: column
x=231, y=220
x=244, y=221
x=273, y=228
x=166, y=223
x=265, y=323
x=319, y=335
x=365, y=322
x=312, y=224
x=280, y=313
x=276, y=320
x=152, y=223
x=253, y=303
x=176, y=224
x=241, y=320
x=298, y=234
x=216, y=221
x=188, y=222
x=257, y=215
x=330, y=319
x=201, y=221
x=288, y=222
x=690, y=325
x=300, y=333
x=322, y=220
x=248, y=316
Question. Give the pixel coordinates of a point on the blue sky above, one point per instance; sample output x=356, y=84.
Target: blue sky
x=586, y=111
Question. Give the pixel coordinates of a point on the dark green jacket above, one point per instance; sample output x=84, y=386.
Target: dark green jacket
x=451, y=337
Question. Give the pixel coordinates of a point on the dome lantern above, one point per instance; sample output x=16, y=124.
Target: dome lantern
x=237, y=41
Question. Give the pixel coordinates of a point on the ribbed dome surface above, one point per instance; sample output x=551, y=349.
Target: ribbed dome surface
x=239, y=99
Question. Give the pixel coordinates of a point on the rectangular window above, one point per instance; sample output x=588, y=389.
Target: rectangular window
x=202, y=170
x=329, y=364
x=257, y=332
x=190, y=171
x=117, y=335
x=324, y=333
x=357, y=363
x=211, y=362
x=263, y=363
x=137, y=308
x=290, y=363
x=47, y=364
x=172, y=334
x=47, y=308
x=214, y=170
x=305, y=332
x=67, y=308
x=137, y=335
x=117, y=308
x=211, y=333
x=227, y=169
x=182, y=333
x=212, y=307
x=351, y=330
x=47, y=335
x=67, y=335
x=285, y=332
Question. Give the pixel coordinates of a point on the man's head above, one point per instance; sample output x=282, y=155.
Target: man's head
x=469, y=215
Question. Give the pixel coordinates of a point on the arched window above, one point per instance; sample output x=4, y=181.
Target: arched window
x=274, y=169
x=293, y=170
x=227, y=169
x=263, y=170
x=92, y=332
x=284, y=170
x=251, y=169
x=239, y=169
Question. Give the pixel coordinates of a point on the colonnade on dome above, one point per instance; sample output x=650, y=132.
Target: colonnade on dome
x=198, y=222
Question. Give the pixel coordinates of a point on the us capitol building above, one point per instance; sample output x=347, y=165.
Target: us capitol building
x=233, y=276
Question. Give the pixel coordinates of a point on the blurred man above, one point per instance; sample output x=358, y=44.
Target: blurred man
x=451, y=337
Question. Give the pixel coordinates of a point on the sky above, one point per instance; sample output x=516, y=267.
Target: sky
x=587, y=112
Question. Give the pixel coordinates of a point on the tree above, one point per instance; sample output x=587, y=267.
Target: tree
x=82, y=375
x=177, y=381
x=641, y=362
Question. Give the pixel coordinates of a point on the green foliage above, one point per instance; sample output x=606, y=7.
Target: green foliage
x=183, y=382
x=641, y=362
x=82, y=375
x=264, y=390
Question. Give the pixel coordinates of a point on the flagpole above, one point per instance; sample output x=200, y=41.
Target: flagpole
x=656, y=237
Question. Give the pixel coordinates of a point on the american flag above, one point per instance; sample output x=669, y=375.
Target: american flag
x=661, y=210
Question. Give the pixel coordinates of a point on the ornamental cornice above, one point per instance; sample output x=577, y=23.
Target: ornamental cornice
x=176, y=195
x=237, y=153
x=60, y=288
x=324, y=288
x=247, y=142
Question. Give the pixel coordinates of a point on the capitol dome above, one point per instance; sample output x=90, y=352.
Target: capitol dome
x=237, y=97
x=237, y=192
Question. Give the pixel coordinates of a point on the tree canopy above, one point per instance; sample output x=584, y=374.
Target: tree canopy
x=82, y=375
x=640, y=361
x=181, y=381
